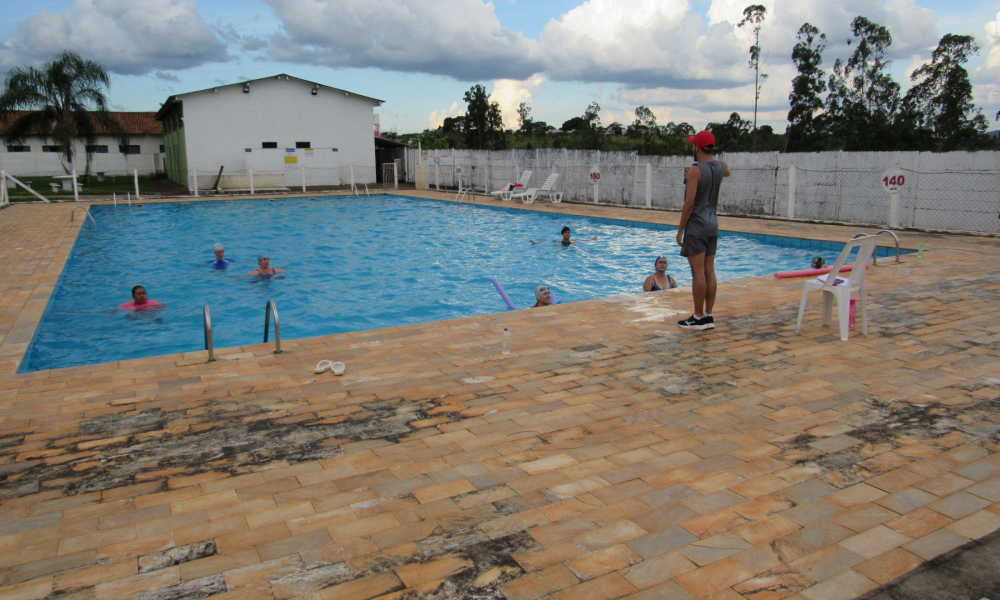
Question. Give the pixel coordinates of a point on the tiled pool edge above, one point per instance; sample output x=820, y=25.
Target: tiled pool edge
x=19, y=328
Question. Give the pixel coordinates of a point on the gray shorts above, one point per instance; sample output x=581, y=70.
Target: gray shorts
x=694, y=246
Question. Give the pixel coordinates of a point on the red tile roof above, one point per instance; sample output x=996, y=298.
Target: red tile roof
x=135, y=123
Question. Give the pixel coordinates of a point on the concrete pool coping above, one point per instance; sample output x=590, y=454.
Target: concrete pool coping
x=777, y=461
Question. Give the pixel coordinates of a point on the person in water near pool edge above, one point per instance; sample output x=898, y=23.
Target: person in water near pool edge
x=220, y=262
x=659, y=280
x=543, y=296
x=140, y=301
x=566, y=238
x=818, y=262
x=264, y=268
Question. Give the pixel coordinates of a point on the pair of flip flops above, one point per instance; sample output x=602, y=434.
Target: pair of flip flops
x=337, y=368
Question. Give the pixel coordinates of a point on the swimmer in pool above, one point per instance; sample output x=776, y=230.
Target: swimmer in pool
x=543, y=296
x=220, y=262
x=659, y=280
x=567, y=238
x=140, y=301
x=264, y=268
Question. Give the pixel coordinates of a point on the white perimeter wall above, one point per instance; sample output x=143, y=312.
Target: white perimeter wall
x=952, y=191
x=219, y=127
x=114, y=162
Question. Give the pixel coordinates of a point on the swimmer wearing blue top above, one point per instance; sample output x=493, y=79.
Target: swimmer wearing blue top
x=659, y=280
x=220, y=262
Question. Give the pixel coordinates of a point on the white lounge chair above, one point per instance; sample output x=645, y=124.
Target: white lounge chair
x=532, y=194
x=506, y=194
x=834, y=286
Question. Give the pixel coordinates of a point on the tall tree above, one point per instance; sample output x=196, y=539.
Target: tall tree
x=65, y=102
x=733, y=135
x=753, y=19
x=590, y=135
x=804, y=126
x=524, y=118
x=644, y=126
x=593, y=115
x=941, y=101
x=864, y=99
x=483, y=122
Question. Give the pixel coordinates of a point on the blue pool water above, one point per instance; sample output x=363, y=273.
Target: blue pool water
x=353, y=264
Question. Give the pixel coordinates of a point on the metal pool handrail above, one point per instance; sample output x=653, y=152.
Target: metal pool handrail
x=269, y=308
x=875, y=254
x=209, y=343
x=72, y=215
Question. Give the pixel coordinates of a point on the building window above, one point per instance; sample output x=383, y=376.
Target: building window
x=130, y=149
x=18, y=148
x=269, y=145
x=303, y=144
x=97, y=149
x=51, y=149
x=162, y=148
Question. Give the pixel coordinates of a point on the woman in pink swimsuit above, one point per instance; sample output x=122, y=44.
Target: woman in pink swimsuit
x=140, y=301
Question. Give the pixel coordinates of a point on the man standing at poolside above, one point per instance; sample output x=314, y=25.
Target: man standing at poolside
x=698, y=231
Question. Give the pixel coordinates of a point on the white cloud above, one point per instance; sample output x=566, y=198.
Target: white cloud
x=644, y=43
x=993, y=37
x=993, y=29
x=458, y=38
x=437, y=117
x=638, y=43
x=132, y=37
x=510, y=93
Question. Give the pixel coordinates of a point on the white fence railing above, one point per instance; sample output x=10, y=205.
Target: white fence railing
x=293, y=178
x=51, y=164
x=956, y=191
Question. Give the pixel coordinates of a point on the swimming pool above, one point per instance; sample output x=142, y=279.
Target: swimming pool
x=353, y=264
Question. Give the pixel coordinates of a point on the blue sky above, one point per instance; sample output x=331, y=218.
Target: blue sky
x=685, y=59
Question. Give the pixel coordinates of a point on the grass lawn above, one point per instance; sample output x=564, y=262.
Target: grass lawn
x=120, y=184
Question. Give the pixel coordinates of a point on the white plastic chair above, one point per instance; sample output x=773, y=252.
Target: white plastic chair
x=856, y=282
x=532, y=194
x=506, y=194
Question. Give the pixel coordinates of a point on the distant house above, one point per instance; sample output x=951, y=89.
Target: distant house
x=37, y=154
x=995, y=134
x=275, y=126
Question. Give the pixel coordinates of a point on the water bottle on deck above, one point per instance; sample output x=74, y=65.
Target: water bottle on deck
x=505, y=345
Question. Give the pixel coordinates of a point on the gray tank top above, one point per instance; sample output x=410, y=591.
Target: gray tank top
x=703, y=221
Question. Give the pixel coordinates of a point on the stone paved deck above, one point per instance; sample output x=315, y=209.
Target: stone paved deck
x=611, y=455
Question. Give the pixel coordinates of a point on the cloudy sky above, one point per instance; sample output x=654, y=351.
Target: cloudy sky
x=685, y=59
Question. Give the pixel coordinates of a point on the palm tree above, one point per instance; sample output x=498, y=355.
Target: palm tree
x=65, y=103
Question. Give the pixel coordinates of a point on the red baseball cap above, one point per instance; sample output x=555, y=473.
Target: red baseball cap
x=703, y=139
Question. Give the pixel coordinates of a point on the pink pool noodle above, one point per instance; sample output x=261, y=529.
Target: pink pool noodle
x=808, y=272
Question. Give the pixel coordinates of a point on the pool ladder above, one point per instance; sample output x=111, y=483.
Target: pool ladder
x=72, y=215
x=875, y=254
x=269, y=308
x=209, y=344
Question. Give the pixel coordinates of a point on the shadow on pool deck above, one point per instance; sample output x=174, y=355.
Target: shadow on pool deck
x=971, y=572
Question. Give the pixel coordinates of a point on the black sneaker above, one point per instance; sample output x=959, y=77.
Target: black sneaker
x=696, y=324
